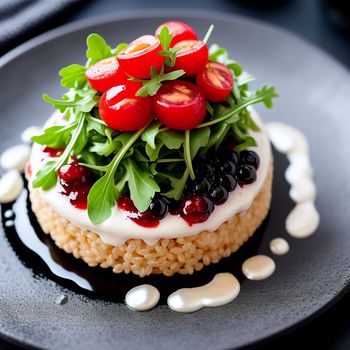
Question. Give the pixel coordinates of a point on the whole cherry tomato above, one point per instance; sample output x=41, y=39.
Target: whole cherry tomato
x=122, y=110
x=104, y=74
x=179, y=30
x=136, y=59
x=180, y=105
x=216, y=81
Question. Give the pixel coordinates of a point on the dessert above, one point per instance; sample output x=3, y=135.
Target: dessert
x=154, y=161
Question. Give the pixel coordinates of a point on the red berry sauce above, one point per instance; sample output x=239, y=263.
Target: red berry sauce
x=53, y=152
x=195, y=209
x=145, y=219
x=76, y=182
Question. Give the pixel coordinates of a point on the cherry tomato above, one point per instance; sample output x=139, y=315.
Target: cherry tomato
x=180, y=105
x=179, y=30
x=216, y=81
x=137, y=59
x=192, y=57
x=104, y=74
x=122, y=110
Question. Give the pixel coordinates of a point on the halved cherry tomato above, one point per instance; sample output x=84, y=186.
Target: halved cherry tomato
x=137, y=59
x=180, y=105
x=216, y=81
x=179, y=30
x=104, y=74
x=192, y=57
x=122, y=110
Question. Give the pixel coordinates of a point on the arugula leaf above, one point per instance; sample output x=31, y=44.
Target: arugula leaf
x=97, y=211
x=82, y=103
x=102, y=198
x=199, y=138
x=142, y=185
x=187, y=154
x=56, y=136
x=46, y=177
x=168, y=52
x=151, y=86
x=73, y=76
x=172, y=139
x=153, y=153
x=220, y=54
x=97, y=48
x=150, y=134
x=265, y=95
x=177, y=185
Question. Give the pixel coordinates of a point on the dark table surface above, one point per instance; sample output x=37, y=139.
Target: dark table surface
x=308, y=19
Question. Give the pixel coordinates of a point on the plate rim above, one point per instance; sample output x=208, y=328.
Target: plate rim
x=85, y=23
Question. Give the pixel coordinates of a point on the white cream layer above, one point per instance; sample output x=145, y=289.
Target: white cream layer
x=117, y=229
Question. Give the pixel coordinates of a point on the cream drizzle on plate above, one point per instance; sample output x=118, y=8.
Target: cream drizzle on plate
x=279, y=246
x=117, y=229
x=220, y=291
x=304, y=219
x=142, y=298
x=258, y=267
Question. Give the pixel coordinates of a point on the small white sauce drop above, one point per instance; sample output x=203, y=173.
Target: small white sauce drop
x=279, y=246
x=258, y=267
x=304, y=219
x=11, y=185
x=220, y=291
x=9, y=223
x=9, y=213
x=142, y=298
x=15, y=157
x=27, y=134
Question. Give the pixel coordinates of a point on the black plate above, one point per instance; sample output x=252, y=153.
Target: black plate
x=315, y=92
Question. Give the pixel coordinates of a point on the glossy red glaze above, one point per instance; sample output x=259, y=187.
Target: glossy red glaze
x=145, y=219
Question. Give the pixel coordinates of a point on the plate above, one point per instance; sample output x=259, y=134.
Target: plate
x=314, y=91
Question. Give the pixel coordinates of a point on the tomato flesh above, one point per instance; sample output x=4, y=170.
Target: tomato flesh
x=192, y=56
x=215, y=81
x=122, y=110
x=136, y=59
x=104, y=74
x=179, y=30
x=180, y=105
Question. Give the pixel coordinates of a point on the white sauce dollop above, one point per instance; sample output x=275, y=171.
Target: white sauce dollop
x=258, y=267
x=220, y=291
x=279, y=246
x=15, y=157
x=304, y=219
x=117, y=229
x=142, y=298
x=11, y=185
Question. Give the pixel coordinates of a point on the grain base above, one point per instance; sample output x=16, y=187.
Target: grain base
x=169, y=256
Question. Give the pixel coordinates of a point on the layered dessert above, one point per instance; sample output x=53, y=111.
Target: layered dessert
x=154, y=161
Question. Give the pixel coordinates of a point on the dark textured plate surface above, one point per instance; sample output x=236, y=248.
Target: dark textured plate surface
x=314, y=91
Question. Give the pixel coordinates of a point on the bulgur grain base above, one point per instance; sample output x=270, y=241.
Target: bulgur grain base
x=169, y=256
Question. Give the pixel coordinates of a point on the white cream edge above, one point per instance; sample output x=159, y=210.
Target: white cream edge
x=118, y=229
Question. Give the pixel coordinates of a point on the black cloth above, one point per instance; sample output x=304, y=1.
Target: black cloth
x=20, y=19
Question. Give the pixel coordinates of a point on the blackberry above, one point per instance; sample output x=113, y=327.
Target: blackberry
x=228, y=181
x=219, y=195
x=159, y=207
x=246, y=174
x=249, y=158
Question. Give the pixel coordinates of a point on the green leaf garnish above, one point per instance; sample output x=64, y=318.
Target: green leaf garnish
x=168, y=52
x=151, y=86
x=73, y=76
